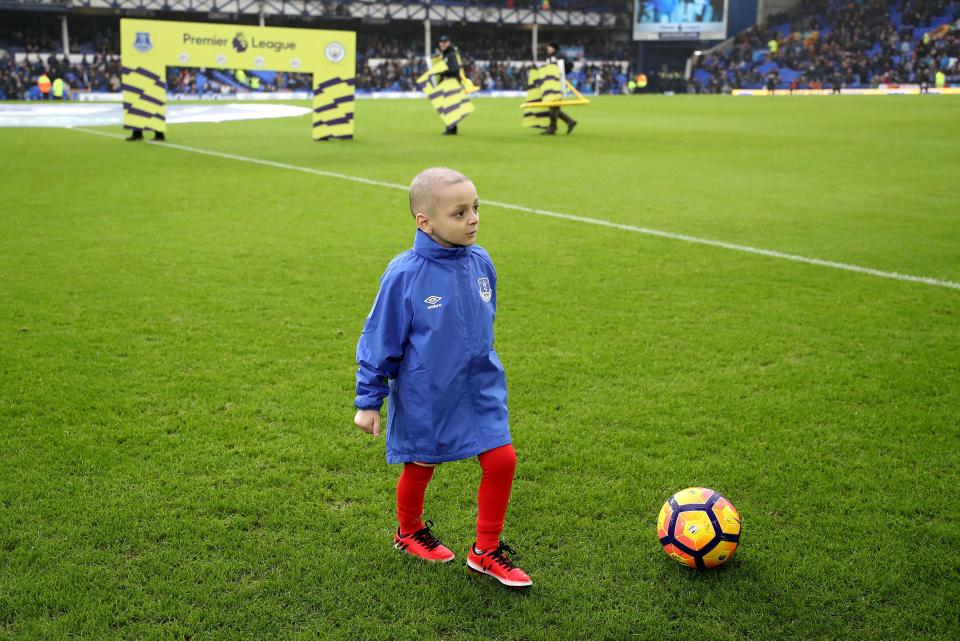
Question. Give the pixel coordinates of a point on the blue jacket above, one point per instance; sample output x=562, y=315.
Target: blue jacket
x=428, y=343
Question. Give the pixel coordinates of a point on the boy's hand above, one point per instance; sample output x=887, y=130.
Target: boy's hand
x=368, y=421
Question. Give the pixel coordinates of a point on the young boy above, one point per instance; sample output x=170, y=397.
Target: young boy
x=428, y=344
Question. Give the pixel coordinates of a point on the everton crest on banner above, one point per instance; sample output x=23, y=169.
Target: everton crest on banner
x=142, y=42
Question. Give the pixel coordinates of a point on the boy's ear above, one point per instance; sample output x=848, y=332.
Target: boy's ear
x=423, y=222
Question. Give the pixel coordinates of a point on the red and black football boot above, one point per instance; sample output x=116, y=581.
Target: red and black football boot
x=497, y=564
x=423, y=544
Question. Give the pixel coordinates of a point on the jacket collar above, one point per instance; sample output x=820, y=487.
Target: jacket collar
x=427, y=247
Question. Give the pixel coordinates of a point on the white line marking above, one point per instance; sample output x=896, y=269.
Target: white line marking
x=936, y=282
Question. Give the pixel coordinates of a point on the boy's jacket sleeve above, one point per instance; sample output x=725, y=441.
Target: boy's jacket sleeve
x=382, y=342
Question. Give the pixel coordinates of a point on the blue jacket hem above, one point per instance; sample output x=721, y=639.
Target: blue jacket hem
x=407, y=457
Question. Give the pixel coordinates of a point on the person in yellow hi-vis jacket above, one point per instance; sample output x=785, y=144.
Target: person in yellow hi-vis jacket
x=59, y=92
x=43, y=84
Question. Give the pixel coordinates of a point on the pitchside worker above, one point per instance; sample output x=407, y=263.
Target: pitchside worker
x=553, y=49
x=449, y=53
x=43, y=84
x=59, y=91
x=428, y=344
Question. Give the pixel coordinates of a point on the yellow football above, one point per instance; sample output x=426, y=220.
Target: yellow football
x=699, y=528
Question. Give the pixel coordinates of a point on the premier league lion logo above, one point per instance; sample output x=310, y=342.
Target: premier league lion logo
x=141, y=42
x=239, y=43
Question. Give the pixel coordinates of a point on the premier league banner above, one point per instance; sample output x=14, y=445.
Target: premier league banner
x=680, y=20
x=148, y=47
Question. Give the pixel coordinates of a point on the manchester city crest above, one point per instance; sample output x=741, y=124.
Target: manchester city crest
x=335, y=52
x=141, y=42
x=485, y=292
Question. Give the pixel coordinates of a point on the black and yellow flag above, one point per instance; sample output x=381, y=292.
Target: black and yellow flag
x=543, y=86
x=447, y=95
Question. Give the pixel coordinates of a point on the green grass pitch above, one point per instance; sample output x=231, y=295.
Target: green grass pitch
x=177, y=335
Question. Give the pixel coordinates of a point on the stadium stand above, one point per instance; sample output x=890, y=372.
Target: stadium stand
x=819, y=44
x=94, y=73
x=389, y=57
x=200, y=82
x=834, y=43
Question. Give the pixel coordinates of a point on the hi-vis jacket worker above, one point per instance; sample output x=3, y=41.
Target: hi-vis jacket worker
x=43, y=83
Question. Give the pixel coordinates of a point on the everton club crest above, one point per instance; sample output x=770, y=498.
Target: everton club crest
x=485, y=292
x=142, y=42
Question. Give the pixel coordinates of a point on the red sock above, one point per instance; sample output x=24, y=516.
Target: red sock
x=498, y=465
x=410, y=490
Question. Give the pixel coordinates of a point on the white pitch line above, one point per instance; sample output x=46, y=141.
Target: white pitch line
x=936, y=282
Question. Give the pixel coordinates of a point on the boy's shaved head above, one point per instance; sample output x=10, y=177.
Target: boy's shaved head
x=426, y=184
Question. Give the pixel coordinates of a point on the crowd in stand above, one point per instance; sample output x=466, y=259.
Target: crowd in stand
x=400, y=75
x=495, y=59
x=193, y=81
x=95, y=72
x=486, y=43
x=840, y=43
x=389, y=76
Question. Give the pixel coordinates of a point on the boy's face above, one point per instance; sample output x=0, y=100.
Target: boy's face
x=454, y=216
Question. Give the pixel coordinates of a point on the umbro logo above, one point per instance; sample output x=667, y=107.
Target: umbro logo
x=433, y=302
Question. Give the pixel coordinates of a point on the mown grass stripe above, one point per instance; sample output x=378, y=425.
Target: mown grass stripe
x=770, y=253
